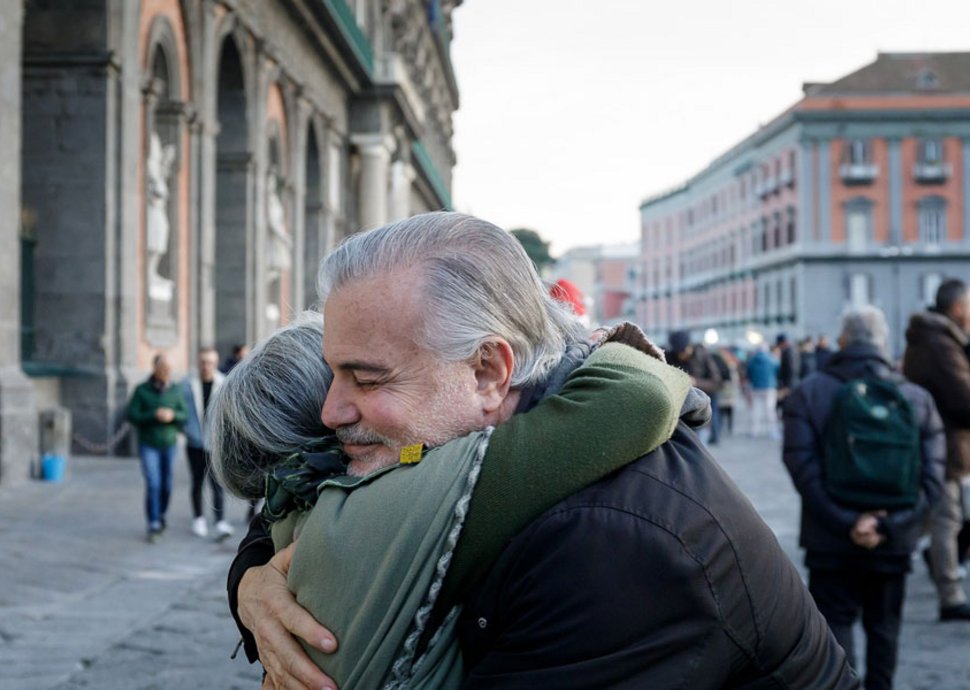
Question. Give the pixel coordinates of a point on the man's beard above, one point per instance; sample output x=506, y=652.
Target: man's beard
x=438, y=425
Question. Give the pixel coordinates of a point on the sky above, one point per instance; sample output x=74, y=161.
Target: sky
x=574, y=111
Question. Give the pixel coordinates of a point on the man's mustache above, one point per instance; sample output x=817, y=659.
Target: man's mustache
x=355, y=436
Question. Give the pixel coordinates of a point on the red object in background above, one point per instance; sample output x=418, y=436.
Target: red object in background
x=565, y=291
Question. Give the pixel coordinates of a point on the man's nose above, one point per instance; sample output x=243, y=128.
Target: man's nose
x=338, y=407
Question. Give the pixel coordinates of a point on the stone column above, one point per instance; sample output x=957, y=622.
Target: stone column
x=18, y=415
x=375, y=160
x=402, y=177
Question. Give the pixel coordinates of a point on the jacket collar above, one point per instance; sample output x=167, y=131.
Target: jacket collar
x=857, y=360
x=931, y=320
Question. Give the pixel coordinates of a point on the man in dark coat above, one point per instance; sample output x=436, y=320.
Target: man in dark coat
x=788, y=366
x=936, y=359
x=858, y=559
x=660, y=576
x=704, y=374
x=822, y=352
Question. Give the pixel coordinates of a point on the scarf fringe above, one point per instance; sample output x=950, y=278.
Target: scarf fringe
x=402, y=671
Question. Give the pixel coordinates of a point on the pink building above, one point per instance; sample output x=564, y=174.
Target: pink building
x=856, y=194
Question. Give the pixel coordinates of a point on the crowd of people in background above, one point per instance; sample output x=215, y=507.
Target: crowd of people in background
x=760, y=376
x=877, y=448
x=902, y=425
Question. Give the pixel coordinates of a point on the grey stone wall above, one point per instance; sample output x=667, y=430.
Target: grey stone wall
x=18, y=416
x=65, y=117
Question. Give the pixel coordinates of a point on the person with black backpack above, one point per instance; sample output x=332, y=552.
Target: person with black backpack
x=865, y=449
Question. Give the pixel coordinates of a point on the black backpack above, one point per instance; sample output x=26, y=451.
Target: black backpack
x=871, y=447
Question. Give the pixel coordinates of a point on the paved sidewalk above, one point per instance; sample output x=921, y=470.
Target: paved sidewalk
x=85, y=602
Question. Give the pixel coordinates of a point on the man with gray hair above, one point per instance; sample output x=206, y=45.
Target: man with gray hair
x=858, y=531
x=660, y=575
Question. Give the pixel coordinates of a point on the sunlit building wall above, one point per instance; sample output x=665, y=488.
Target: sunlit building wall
x=855, y=195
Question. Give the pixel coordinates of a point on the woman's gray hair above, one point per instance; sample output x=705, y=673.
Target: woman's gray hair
x=478, y=283
x=269, y=405
x=867, y=326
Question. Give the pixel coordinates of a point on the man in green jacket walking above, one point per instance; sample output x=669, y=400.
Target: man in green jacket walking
x=157, y=410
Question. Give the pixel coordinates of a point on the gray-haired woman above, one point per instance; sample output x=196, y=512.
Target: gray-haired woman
x=378, y=555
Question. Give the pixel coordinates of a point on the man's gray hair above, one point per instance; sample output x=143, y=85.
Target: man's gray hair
x=867, y=326
x=269, y=406
x=478, y=283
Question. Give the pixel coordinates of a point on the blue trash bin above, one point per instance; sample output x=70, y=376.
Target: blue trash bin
x=52, y=468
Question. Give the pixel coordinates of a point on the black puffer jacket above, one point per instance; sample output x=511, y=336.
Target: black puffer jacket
x=826, y=524
x=660, y=576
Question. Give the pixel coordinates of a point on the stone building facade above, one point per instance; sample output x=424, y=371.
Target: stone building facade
x=176, y=169
x=859, y=193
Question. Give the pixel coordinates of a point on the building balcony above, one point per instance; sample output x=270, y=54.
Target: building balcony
x=931, y=173
x=391, y=70
x=858, y=173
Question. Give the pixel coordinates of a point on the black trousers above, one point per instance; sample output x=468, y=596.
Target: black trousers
x=841, y=595
x=199, y=468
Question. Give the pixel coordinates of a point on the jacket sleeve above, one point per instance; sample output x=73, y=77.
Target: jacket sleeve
x=933, y=461
x=255, y=549
x=802, y=457
x=180, y=409
x=618, y=405
x=950, y=384
x=138, y=410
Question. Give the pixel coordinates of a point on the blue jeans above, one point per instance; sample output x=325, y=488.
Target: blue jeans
x=156, y=467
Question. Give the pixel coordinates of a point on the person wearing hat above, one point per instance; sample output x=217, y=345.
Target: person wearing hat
x=566, y=292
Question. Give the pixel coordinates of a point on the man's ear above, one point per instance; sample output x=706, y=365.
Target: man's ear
x=493, y=364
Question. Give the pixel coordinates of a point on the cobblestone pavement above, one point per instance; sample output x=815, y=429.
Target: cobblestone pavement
x=85, y=602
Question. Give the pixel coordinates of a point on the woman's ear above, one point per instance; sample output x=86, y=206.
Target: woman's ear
x=493, y=364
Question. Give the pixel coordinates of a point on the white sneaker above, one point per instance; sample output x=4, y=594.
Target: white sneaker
x=223, y=530
x=199, y=527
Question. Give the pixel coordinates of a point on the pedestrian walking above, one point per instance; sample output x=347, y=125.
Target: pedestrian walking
x=788, y=366
x=822, y=352
x=157, y=411
x=727, y=364
x=807, y=363
x=865, y=450
x=697, y=363
x=936, y=359
x=761, y=371
x=198, y=389
x=239, y=353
